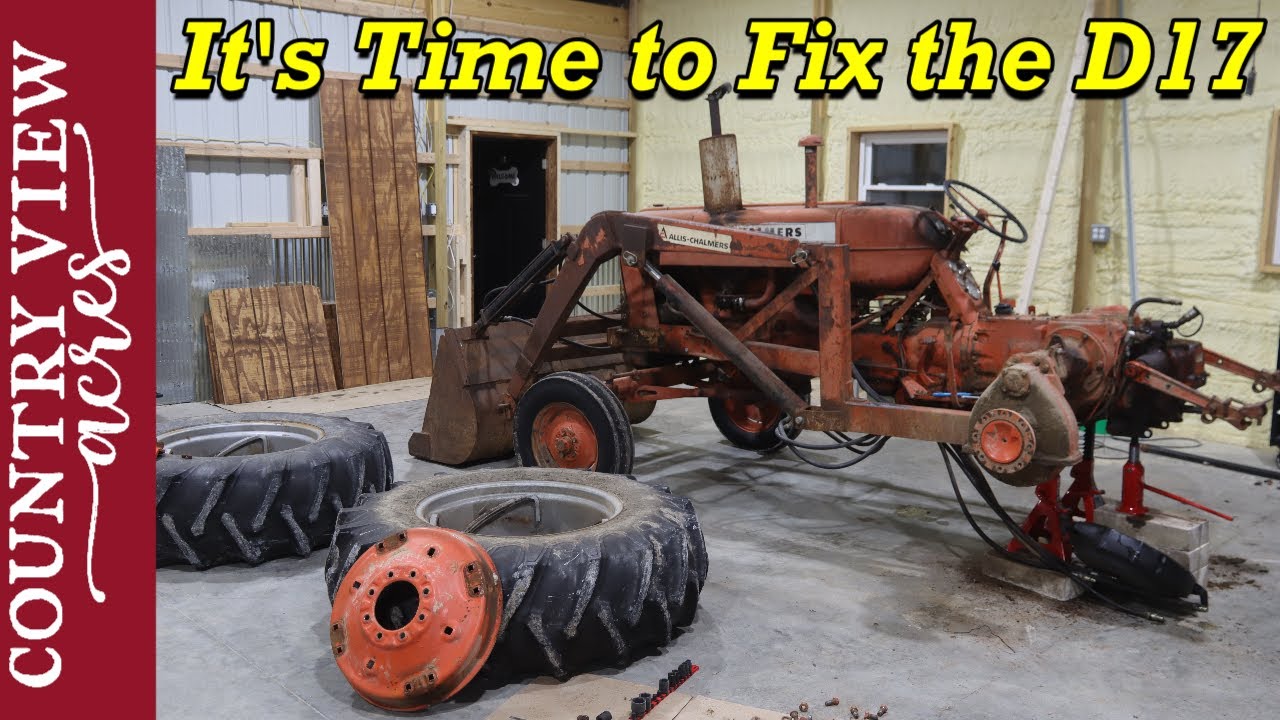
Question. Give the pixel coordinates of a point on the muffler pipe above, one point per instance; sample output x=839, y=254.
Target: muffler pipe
x=810, y=143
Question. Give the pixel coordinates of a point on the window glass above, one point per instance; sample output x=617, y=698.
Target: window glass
x=908, y=164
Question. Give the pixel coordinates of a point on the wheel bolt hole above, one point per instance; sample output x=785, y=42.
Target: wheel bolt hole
x=448, y=630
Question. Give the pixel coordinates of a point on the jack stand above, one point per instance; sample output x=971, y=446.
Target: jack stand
x=1082, y=497
x=1132, y=482
x=1044, y=523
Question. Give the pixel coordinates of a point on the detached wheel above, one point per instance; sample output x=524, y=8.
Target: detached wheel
x=256, y=486
x=573, y=420
x=593, y=567
x=750, y=425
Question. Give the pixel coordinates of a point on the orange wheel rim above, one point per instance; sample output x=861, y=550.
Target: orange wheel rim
x=563, y=437
x=1002, y=441
x=416, y=617
x=752, y=417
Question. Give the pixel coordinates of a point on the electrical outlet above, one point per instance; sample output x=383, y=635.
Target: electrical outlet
x=1100, y=234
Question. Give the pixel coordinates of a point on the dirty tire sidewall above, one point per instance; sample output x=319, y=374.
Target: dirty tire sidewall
x=602, y=408
x=253, y=508
x=572, y=600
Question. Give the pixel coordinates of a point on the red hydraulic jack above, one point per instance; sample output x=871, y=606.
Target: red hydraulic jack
x=1133, y=483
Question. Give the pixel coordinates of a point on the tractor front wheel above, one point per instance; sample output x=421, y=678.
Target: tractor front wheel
x=573, y=420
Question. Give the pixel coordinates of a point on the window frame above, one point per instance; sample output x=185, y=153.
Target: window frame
x=1269, y=237
x=862, y=138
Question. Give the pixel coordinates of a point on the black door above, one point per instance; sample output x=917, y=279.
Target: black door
x=508, y=216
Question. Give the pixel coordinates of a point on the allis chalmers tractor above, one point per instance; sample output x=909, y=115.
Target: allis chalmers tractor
x=746, y=305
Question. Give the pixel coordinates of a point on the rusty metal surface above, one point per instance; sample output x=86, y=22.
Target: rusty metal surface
x=1028, y=396
x=416, y=618
x=889, y=294
x=721, y=183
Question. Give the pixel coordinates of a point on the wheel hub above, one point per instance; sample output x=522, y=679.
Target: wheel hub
x=1005, y=441
x=416, y=617
x=752, y=417
x=563, y=437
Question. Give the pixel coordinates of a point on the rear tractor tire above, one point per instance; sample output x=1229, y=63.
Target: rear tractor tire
x=594, y=568
x=573, y=420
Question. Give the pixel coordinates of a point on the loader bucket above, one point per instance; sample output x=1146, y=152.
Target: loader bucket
x=464, y=423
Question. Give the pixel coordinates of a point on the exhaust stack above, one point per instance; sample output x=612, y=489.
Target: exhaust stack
x=721, y=181
x=810, y=143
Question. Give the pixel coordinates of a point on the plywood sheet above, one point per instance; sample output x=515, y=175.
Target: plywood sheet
x=548, y=699
x=371, y=174
x=267, y=343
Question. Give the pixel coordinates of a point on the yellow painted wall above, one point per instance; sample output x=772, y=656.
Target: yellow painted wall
x=1198, y=164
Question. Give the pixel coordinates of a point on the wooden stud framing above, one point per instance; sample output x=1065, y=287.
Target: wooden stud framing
x=1271, y=211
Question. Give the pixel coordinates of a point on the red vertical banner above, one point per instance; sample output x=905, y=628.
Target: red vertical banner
x=78, y=593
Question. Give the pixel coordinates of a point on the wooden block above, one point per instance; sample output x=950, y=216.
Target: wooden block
x=298, y=340
x=411, y=252
x=349, y=336
x=382, y=163
x=364, y=228
x=221, y=360
x=320, y=339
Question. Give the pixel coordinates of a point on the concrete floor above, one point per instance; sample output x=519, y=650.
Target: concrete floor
x=859, y=583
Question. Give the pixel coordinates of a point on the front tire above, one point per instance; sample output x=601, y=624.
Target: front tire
x=573, y=420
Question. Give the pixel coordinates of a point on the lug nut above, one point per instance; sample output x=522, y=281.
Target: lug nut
x=833, y=702
x=804, y=707
x=884, y=709
x=868, y=715
x=853, y=711
x=795, y=714
x=584, y=717
x=606, y=715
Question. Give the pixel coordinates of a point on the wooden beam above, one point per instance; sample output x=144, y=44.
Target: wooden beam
x=518, y=127
x=298, y=192
x=1267, y=260
x=256, y=69
x=363, y=8
x=819, y=117
x=275, y=231
x=257, y=151
x=278, y=230
x=315, y=193
x=593, y=166
x=598, y=290
x=509, y=19
x=439, y=128
x=580, y=18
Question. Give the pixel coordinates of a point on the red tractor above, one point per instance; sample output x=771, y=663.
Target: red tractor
x=747, y=305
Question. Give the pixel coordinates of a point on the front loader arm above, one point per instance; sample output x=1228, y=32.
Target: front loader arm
x=594, y=246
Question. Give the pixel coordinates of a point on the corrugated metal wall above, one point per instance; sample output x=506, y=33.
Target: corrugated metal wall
x=226, y=190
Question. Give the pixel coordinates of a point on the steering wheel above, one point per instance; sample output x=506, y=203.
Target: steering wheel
x=955, y=192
